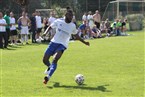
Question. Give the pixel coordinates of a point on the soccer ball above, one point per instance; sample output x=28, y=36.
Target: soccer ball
x=79, y=79
x=38, y=40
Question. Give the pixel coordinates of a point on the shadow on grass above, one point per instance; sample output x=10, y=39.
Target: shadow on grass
x=9, y=48
x=101, y=88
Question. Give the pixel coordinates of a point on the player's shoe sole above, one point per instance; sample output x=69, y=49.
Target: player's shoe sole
x=45, y=80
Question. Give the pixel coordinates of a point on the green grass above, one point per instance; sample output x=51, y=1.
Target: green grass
x=112, y=67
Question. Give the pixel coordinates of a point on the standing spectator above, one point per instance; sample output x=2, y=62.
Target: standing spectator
x=97, y=19
x=84, y=17
x=90, y=20
x=38, y=24
x=7, y=18
x=13, y=36
x=33, y=27
x=51, y=20
x=25, y=21
x=3, y=34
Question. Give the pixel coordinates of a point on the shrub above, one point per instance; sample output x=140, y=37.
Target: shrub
x=135, y=21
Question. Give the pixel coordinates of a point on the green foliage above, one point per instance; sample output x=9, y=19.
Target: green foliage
x=112, y=67
x=59, y=11
x=135, y=21
x=79, y=23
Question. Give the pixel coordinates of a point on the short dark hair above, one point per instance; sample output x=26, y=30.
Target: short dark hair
x=68, y=8
x=69, y=12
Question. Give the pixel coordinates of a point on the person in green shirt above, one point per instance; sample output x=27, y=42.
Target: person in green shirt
x=118, y=26
x=7, y=18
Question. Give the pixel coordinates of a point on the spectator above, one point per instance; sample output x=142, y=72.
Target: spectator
x=118, y=26
x=45, y=23
x=123, y=27
x=97, y=19
x=82, y=29
x=107, y=28
x=96, y=32
x=113, y=28
x=102, y=27
x=84, y=17
x=13, y=30
x=33, y=27
x=51, y=20
x=90, y=20
x=25, y=21
x=38, y=24
x=7, y=18
x=3, y=34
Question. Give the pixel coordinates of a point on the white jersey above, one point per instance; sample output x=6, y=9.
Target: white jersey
x=38, y=22
x=2, y=28
x=84, y=18
x=63, y=31
x=12, y=21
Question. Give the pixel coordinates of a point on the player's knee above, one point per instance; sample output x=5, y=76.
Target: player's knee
x=55, y=60
x=45, y=61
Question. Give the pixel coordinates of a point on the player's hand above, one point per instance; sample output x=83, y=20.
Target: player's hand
x=87, y=43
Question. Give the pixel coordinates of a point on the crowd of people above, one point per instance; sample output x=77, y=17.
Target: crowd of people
x=93, y=27
x=14, y=31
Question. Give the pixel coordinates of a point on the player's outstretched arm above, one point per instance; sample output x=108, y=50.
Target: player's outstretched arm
x=80, y=39
x=47, y=30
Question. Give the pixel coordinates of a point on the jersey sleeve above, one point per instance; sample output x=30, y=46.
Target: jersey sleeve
x=54, y=24
x=74, y=30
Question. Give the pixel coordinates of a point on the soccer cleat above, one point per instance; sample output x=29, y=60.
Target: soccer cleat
x=45, y=80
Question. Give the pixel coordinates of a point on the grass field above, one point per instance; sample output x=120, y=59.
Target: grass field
x=112, y=67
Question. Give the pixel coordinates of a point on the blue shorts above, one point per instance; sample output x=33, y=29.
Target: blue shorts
x=53, y=48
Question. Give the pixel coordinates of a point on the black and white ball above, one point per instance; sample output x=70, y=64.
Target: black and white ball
x=79, y=79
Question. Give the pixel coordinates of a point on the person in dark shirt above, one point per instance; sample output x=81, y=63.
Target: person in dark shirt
x=33, y=27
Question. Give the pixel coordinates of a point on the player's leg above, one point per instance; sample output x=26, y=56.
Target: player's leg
x=46, y=60
x=49, y=52
x=53, y=66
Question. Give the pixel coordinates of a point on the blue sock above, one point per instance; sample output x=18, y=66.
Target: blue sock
x=52, y=69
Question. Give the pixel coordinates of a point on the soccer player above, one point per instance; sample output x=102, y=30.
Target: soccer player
x=59, y=43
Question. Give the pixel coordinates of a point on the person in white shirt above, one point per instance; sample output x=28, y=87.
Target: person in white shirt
x=90, y=20
x=38, y=24
x=13, y=30
x=84, y=17
x=59, y=43
x=50, y=21
x=3, y=34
